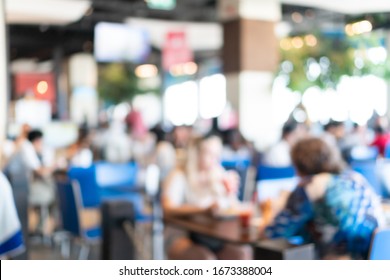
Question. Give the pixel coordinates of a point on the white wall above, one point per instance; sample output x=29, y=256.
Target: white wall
x=3, y=75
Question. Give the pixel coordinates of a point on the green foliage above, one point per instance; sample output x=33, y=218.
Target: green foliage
x=332, y=57
x=118, y=83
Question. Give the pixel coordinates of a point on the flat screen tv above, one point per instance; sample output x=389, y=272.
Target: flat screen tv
x=116, y=42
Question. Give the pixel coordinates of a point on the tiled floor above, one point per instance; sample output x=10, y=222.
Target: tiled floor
x=43, y=251
x=57, y=248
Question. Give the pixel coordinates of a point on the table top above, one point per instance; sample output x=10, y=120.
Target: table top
x=226, y=229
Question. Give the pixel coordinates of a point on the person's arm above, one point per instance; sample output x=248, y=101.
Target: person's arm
x=11, y=239
x=293, y=218
x=173, y=197
x=184, y=210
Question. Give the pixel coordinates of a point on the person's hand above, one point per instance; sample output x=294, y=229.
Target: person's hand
x=212, y=209
x=231, y=181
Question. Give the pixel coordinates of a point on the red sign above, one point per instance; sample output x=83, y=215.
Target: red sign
x=176, y=50
x=39, y=85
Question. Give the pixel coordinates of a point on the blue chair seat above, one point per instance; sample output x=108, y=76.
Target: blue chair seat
x=109, y=175
x=265, y=172
x=93, y=233
x=380, y=247
x=368, y=170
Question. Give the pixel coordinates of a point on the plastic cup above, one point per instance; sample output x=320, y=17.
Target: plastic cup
x=245, y=214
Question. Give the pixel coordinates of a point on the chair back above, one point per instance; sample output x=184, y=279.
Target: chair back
x=241, y=166
x=239, y=163
x=116, y=175
x=67, y=206
x=380, y=247
x=369, y=171
x=265, y=172
x=85, y=177
x=387, y=151
x=271, y=181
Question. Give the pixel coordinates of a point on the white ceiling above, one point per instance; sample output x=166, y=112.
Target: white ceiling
x=54, y=12
x=345, y=6
x=60, y=12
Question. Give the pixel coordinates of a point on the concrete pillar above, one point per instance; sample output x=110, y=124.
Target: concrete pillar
x=83, y=75
x=251, y=56
x=388, y=83
x=3, y=76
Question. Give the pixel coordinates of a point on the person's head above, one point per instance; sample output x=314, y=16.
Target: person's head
x=379, y=129
x=83, y=140
x=313, y=156
x=182, y=136
x=159, y=133
x=234, y=139
x=289, y=132
x=205, y=153
x=36, y=139
x=25, y=129
x=337, y=129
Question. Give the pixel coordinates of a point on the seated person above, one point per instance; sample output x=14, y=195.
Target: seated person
x=11, y=238
x=42, y=191
x=332, y=207
x=382, y=139
x=279, y=154
x=199, y=188
x=80, y=153
x=235, y=146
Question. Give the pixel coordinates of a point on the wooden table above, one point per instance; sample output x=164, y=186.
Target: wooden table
x=228, y=229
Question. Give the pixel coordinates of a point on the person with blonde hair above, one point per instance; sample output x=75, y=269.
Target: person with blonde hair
x=198, y=187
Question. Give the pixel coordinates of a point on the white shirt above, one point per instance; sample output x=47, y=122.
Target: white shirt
x=30, y=156
x=180, y=192
x=84, y=158
x=117, y=145
x=9, y=222
x=278, y=155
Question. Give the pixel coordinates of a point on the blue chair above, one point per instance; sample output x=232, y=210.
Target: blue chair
x=89, y=189
x=70, y=205
x=106, y=181
x=271, y=181
x=387, y=151
x=241, y=163
x=369, y=171
x=110, y=175
x=380, y=247
x=265, y=172
x=241, y=166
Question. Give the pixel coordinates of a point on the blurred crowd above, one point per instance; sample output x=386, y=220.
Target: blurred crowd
x=194, y=179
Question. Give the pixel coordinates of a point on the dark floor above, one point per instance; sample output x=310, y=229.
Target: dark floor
x=46, y=250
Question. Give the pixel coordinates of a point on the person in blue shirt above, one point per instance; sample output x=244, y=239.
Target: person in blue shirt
x=332, y=207
x=11, y=239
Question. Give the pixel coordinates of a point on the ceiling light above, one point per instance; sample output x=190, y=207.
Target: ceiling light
x=285, y=44
x=296, y=17
x=297, y=42
x=146, y=71
x=42, y=87
x=311, y=40
x=161, y=4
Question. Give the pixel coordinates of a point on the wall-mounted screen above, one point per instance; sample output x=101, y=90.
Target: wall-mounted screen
x=116, y=42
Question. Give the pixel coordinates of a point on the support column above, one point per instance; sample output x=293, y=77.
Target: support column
x=251, y=56
x=388, y=83
x=3, y=76
x=83, y=74
x=61, y=104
